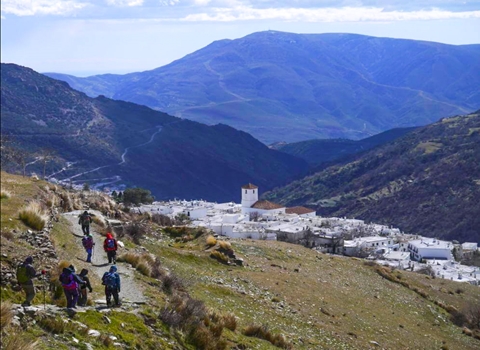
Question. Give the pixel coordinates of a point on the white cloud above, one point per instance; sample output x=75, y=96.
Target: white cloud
x=129, y=3
x=40, y=7
x=344, y=14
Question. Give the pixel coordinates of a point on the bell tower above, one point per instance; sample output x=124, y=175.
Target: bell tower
x=249, y=195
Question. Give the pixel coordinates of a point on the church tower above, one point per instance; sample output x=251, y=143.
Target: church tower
x=249, y=195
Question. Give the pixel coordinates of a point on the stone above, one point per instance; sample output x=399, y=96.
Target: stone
x=75, y=340
x=107, y=320
x=93, y=333
x=373, y=342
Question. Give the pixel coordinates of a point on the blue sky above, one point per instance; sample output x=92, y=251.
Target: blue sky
x=86, y=37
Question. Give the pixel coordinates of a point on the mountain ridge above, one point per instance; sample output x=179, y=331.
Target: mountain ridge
x=293, y=87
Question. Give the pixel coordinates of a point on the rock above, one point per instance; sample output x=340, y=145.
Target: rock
x=113, y=337
x=373, y=342
x=107, y=320
x=93, y=333
x=89, y=346
x=75, y=340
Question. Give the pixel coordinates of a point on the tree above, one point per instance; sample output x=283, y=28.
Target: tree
x=137, y=196
x=46, y=155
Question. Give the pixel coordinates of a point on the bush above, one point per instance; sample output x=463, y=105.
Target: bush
x=224, y=245
x=262, y=332
x=171, y=282
x=230, y=321
x=135, y=231
x=33, y=216
x=7, y=235
x=137, y=196
x=219, y=256
x=97, y=220
x=211, y=241
x=161, y=220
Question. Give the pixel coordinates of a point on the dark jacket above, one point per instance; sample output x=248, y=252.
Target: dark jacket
x=31, y=273
x=83, y=276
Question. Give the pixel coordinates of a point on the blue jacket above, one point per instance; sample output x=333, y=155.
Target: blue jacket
x=116, y=279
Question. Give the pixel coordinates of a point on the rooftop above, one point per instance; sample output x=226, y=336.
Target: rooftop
x=266, y=205
x=249, y=187
x=299, y=210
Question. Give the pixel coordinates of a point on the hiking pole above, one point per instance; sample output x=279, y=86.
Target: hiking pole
x=44, y=273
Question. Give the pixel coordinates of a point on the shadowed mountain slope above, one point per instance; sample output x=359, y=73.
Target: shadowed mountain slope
x=292, y=87
x=108, y=141
x=320, y=151
x=427, y=182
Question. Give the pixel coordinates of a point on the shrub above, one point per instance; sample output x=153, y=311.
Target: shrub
x=6, y=314
x=219, y=256
x=130, y=258
x=211, y=241
x=262, y=332
x=97, y=220
x=54, y=325
x=161, y=220
x=144, y=268
x=230, y=321
x=171, y=282
x=33, y=216
x=4, y=194
x=135, y=231
x=225, y=245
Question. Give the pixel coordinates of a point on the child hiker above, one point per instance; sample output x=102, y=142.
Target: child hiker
x=111, y=281
x=82, y=300
x=87, y=242
x=110, y=247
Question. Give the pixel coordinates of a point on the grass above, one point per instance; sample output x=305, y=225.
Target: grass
x=6, y=314
x=4, y=194
x=33, y=216
x=17, y=341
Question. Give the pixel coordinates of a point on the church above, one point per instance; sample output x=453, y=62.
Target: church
x=251, y=204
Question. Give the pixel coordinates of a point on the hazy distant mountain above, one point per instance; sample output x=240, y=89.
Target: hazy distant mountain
x=320, y=151
x=292, y=87
x=426, y=182
x=133, y=144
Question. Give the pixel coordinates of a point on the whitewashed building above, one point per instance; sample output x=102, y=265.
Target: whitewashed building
x=430, y=248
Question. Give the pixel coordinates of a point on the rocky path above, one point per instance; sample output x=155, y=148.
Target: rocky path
x=130, y=291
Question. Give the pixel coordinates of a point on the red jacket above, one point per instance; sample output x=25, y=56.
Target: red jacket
x=108, y=247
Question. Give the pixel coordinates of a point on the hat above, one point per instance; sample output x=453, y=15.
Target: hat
x=85, y=212
x=84, y=272
x=113, y=268
x=29, y=260
x=72, y=268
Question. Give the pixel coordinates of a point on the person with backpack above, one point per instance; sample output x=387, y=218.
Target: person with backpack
x=110, y=247
x=85, y=220
x=87, y=242
x=82, y=300
x=111, y=281
x=70, y=283
x=25, y=273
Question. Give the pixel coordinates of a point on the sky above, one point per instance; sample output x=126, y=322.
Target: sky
x=88, y=37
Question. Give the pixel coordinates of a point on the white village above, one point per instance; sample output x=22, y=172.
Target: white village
x=265, y=220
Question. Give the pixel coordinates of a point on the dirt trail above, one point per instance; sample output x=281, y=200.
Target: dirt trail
x=130, y=291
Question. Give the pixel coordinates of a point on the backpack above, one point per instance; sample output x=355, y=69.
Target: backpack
x=22, y=274
x=109, y=280
x=68, y=282
x=85, y=219
x=87, y=242
x=110, y=243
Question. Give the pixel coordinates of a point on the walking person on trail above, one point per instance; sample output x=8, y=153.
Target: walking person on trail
x=70, y=283
x=110, y=247
x=82, y=300
x=87, y=242
x=85, y=220
x=111, y=281
x=25, y=273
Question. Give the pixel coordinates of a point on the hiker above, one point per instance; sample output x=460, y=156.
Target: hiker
x=82, y=300
x=25, y=273
x=87, y=242
x=70, y=283
x=85, y=219
x=111, y=281
x=110, y=247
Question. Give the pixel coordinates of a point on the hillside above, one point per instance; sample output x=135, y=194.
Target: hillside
x=320, y=151
x=292, y=87
x=426, y=182
x=104, y=141
x=284, y=294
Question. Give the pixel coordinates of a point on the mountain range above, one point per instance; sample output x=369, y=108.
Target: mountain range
x=104, y=141
x=426, y=182
x=293, y=87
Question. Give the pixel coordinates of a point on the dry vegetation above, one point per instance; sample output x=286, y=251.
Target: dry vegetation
x=34, y=216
